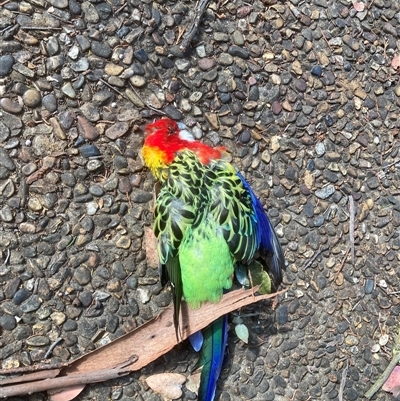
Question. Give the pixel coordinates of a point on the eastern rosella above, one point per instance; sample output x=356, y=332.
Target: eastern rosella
x=209, y=223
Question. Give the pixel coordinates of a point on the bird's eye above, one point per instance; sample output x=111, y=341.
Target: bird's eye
x=171, y=130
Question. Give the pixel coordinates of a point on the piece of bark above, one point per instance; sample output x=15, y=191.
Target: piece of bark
x=156, y=337
x=138, y=348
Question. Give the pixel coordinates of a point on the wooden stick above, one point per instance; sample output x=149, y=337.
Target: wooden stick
x=145, y=103
x=342, y=263
x=39, y=375
x=61, y=382
x=343, y=381
x=40, y=28
x=351, y=228
x=384, y=376
x=315, y=256
x=194, y=25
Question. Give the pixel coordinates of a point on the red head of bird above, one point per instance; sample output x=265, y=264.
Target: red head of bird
x=165, y=138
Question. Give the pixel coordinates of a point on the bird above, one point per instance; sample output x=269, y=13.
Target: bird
x=209, y=225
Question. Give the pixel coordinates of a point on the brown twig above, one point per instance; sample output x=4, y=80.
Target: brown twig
x=311, y=261
x=7, y=27
x=121, y=8
x=114, y=89
x=145, y=103
x=383, y=167
x=343, y=381
x=343, y=262
x=326, y=40
x=351, y=228
x=384, y=376
x=39, y=28
x=129, y=200
x=44, y=372
x=181, y=31
x=62, y=19
x=52, y=346
x=194, y=25
x=65, y=381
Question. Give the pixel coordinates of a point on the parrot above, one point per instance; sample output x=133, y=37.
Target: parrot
x=209, y=225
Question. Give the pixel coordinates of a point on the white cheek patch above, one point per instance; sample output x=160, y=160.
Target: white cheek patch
x=184, y=133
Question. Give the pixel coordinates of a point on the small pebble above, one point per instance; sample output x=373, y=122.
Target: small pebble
x=10, y=106
x=8, y=322
x=89, y=151
x=245, y=137
x=93, y=165
x=369, y=286
x=325, y=192
x=101, y=49
x=329, y=121
x=276, y=107
x=32, y=98
x=141, y=56
x=6, y=63
x=50, y=102
x=316, y=70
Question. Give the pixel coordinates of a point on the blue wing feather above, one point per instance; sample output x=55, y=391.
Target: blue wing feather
x=266, y=235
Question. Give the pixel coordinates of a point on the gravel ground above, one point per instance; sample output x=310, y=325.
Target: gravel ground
x=305, y=96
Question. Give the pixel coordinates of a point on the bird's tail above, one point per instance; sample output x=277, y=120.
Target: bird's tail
x=212, y=357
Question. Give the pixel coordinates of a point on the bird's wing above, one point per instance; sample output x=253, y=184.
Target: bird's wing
x=176, y=209
x=267, y=237
x=232, y=208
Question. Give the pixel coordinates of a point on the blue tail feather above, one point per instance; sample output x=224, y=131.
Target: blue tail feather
x=212, y=357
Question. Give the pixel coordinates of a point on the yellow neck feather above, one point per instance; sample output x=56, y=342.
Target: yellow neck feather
x=154, y=159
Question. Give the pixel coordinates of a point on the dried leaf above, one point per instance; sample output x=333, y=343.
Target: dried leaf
x=242, y=332
x=66, y=394
x=392, y=384
x=260, y=277
x=150, y=243
x=396, y=61
x=193, y=382
x=168, y=385
x=274, y=303
x=308, y=179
